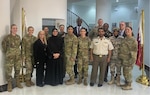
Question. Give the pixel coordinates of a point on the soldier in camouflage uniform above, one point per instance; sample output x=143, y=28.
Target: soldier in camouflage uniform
x=115, y=62
x=46, y=30
x=27, y=54
x=11, y=47
x=70, y=49
x=83, y=56
x=128, y=54
x=93, y=33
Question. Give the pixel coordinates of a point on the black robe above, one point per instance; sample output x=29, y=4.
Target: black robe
x=54, y=67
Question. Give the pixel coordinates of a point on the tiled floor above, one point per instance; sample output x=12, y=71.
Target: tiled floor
x=76, y=89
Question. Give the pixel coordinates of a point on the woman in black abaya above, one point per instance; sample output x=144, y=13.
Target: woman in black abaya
x=54, y=67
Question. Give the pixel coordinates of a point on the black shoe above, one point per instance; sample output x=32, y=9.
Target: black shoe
x=75, y=75
x=40, y=85
x=99, y=85
x=105, y=79
x=91, y=84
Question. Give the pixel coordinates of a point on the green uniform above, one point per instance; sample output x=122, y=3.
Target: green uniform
x=128, y=54
x=11, y=47
x=83, y=56
x=93, y=33
x=27, y=53
x=70, y=50
x=115, y=61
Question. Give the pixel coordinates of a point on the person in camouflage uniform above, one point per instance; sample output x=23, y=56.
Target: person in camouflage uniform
x=46, y=30
x=11, y=47
x=115, y=62
x=127, y=55
x=93, y=33
x=70, y=49
x=27, y=54
x=83, y=56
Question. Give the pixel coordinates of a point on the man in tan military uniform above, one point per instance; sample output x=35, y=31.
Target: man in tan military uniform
x=27, y=54
x=11, y=47
x=70, y=49
x=83, y=56
x=127, y=55
x=93, y=33
x=100, y=54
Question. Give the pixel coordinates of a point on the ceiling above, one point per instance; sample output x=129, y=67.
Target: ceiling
x=93, y=2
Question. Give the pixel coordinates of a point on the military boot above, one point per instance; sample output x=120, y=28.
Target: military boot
x=112, y=80
x=123, y=85
x=118, y=80
x=85, y=82
x=32, y=83
x=127, y=87
x=9, y=86
x=18, y=84
x=70, y=81
x=28, y=83
x=80, y=80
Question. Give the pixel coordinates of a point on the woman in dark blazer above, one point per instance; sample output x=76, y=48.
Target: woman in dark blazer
x=40, y=57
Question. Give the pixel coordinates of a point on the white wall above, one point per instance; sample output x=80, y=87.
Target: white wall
x=38, y=9
x=4, y=23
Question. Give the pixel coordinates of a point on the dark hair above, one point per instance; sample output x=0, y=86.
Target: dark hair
x=45, y=27
x=54, y=29
x=30, y=27
x=100, y=29
x=84, y=29
x=61, y=25
x=70, y=26
x=13, y=25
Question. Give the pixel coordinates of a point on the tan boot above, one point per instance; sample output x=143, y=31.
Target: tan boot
x=28, y=83
x=85, y=82
x=9, y=86
x=32, y=83
x=127, y=87
x=112, y=81
x=79, y=81
x=70, y=81
x=118, y=80
x=18, y=84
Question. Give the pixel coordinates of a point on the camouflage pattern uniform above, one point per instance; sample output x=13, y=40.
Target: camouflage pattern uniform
x=93, y=33
x=128, y=54
x=115, y=61
x=11, y=48
x=83, y=58
x=47, y=36
x=70, y=49
x=27, y=53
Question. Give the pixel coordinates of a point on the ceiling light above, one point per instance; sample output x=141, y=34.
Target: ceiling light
x=117, y=0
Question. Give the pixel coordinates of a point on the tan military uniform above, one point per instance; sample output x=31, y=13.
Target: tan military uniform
x=100, y=49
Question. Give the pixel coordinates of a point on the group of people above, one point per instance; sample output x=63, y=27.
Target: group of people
x=60, y=53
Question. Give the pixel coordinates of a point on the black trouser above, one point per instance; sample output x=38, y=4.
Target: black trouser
x=106, y=72
x=75, y=68
x=40, y=73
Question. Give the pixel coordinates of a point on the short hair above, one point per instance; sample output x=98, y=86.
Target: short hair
x=54, y=29
x=100, y=29
x=13, y=25
x=79, y=19
x=61, y=25
x=45, y=27
x=115, y=29
x=30, y=27
x=84, y=29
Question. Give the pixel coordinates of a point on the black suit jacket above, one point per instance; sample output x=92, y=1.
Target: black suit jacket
x=39, y=52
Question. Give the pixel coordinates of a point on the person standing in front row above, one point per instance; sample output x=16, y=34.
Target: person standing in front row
x=115, y=63
x=54, y=68
x=40, y=57
x=27, y=54
x=83, y=56
x=11, y=47
x=128, y=54
x=100, y=54
x=70, y=49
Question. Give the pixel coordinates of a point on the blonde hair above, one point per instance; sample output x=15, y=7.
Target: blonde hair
x=45, y=41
